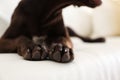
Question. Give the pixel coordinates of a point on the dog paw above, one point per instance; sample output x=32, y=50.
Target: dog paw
x=60, y=53
x=33, y=52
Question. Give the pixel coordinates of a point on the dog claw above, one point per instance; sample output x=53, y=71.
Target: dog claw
x=61, y=54
x=33, y=52
x=27, y=55
x=57, y=56
x=66, y=57
x=36, y=55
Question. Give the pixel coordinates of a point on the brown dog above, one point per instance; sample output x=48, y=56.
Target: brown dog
x=43, y=19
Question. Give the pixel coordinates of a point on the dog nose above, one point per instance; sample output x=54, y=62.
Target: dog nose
x=96, y=2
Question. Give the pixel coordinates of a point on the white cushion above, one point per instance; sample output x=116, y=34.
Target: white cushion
x=3, y=24
x=79, y=19
x=6, y=9
x=98, y=61
x=106, y=19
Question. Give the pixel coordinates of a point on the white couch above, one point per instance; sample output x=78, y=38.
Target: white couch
x=93, y=61
x=97, y=61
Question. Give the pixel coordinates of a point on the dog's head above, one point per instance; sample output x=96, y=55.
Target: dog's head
x=89, y=3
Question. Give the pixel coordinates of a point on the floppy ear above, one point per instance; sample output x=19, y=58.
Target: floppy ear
x=91, y=3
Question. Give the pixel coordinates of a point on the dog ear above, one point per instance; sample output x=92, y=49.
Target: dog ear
x=90, y=3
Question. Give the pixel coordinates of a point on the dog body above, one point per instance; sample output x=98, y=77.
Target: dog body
x=41, y=18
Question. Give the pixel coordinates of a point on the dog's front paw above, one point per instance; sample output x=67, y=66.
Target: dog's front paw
x=33, y=51
x=60, y=53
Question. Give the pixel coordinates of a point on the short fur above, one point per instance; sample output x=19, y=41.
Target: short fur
x=43, y=19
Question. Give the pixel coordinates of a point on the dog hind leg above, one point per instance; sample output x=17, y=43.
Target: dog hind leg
x=85, y=39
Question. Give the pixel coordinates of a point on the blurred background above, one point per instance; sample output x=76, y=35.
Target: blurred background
x=101, y=21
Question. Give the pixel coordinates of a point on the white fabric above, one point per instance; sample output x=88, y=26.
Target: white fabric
x=97, y=61
x=6, y=9
x=3, y=24
x=79, y=19
x=101, y=21
x=106, y=19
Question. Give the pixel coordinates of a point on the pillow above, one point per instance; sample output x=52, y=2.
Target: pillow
x=79, y=19
x=106, y=19
x=3, y=24
x=6, y=13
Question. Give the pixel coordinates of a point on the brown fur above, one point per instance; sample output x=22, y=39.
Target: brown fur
x=41, y=18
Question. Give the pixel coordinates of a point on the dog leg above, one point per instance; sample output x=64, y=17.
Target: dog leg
x=85, y=39
x=61, y=50
x=59, y=44
x=30, y=50
x=24, y=47
x=7, y=45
